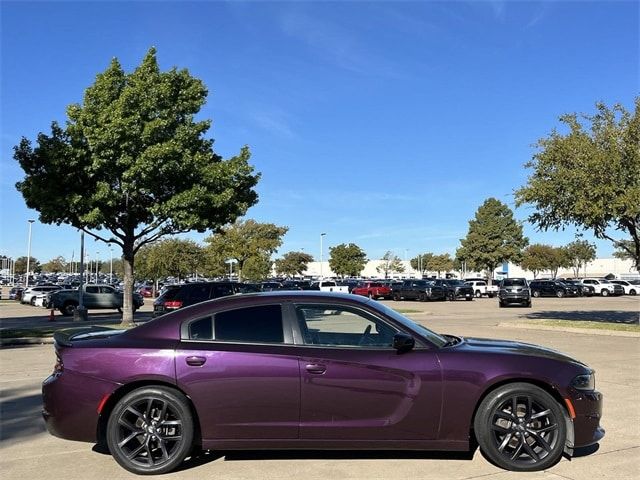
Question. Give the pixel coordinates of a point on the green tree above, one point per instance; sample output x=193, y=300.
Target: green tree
x=347, y=259
x=624, y=253
x=440, y=263
x=293, y=264
x=170, y=257
x=493, y=237
x=246, y=239
x=21, y=265
x=257, y=268
x=590, y=177
x=579, y=253
x=132, y=160
x=420, y=262
x=55, y=265
x=390, y=264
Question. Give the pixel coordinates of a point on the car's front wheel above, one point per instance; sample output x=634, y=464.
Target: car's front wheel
x=521, y=427
x=150, y=430
x=604, y=292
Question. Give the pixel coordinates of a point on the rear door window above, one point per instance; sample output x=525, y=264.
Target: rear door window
x=197, y=293
x=262, y=324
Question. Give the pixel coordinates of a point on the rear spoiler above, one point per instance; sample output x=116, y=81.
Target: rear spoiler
x=66, y=337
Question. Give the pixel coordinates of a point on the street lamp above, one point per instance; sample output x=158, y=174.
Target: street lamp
x=26, y=285
x=231, y=261
x=110, y=265
x=97, y=265
x=321, y=250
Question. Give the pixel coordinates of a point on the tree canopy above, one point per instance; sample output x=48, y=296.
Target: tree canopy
x=579, y=253
x=590, y=177
x=55, y=265
x=133, y=161
x=347, y=259
x=170, y=257
x=20, y=265
x=391, y=263
x=539, y=257
x=494, y=237
x=244, y=240
x=293, y=264
x=421, y=262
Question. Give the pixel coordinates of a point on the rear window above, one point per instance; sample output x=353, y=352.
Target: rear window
x=514, y=282
x=194, y=293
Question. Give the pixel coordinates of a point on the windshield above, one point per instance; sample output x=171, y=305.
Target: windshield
x=438, y=340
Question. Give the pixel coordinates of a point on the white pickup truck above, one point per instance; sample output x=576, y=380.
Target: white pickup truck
x=329, y=286
x=480, y=288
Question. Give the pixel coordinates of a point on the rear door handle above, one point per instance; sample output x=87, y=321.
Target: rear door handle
x=316, y=368
x=195, y=361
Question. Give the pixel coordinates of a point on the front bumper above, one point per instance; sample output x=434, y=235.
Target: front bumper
x=588, y=409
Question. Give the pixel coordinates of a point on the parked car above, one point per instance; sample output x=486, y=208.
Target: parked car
x=603, y=287
x=309, y=370
x=296, y=285
x=481, y=288
x=94, y=297
x=146, y=291
x=552, y=288
x=329, y=286
x=421, y=290
x=583, y=290
x=514, y=291
x=29, y=294
x=372, y=290
x=455, y=289
x=16, y=293
x=629, y=288
x=270, y=286
x=192, y=293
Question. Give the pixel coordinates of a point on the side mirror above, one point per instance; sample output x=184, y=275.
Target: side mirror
x=403, y=342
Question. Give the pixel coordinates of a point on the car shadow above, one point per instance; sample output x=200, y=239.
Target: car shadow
x=599, y=316
x=21, y=413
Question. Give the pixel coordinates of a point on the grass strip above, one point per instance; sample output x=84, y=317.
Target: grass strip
x=621, y=327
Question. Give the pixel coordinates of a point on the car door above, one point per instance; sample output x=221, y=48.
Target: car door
x=241, y=371
x=355, y=386
x=91, y=296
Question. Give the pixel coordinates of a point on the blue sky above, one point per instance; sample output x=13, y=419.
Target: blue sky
x=381, y=123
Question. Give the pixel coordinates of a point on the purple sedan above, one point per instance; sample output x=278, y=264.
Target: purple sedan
x=309, y=370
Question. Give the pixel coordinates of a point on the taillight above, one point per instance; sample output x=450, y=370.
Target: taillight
x=173, y=304
x=58, y=368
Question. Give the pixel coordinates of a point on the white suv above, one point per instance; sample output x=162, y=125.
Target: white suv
x=602, y=287
x=629, y=288
x=29, y=295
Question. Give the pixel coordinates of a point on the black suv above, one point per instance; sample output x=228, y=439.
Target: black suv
x=514, y=291
x=192, y=293
x=455, y=289
x=553, y=288
x=421, y=290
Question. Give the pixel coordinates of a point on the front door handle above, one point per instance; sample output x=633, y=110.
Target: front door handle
x=316, y=368
x=195, y=361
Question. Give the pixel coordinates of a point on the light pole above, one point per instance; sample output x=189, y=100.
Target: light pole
x=321, y=250
x=231, y=261
x=97, y=265
x=26, y=285
x=110, y=265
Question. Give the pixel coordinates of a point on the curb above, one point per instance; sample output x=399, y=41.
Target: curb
x=6, y=342
x=585, y=331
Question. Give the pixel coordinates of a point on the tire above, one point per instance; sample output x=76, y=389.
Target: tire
x=501, y=305
x=632, y=292
x=396, y=297
x=33, y=301
x=478, y=293
x=604, y=292
x=140, y=445
x=560, y=293
x=422, y=297
x=68, y=309
x=468, y=299
x=528, y=305
x=452, y=297
x=509, y=436
x=535, y=293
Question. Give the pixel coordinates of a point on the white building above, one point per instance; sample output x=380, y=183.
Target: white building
x=600, y=267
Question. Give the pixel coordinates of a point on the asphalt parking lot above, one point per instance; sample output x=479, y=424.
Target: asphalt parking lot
x=28, y=451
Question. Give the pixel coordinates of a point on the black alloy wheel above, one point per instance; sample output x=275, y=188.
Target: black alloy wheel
x=150, y=430
x=632, y=292
x=396, y=297
x=521, y=427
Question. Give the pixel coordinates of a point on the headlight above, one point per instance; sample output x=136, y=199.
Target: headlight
x=584, y=382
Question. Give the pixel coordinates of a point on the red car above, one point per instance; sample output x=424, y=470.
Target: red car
x=372, y=290
x=146, y=291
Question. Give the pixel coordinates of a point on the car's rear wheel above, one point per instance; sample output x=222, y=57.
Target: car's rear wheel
x=396, y=297
x=560, y=293
x=150, y=430
x=604, y=292
x=478, y=293
x=521, y=427
x=632, y=292
x=536, y=293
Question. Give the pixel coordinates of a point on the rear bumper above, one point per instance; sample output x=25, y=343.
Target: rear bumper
x=69, y=405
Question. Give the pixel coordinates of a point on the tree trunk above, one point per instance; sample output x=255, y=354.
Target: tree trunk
x=127, y=303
